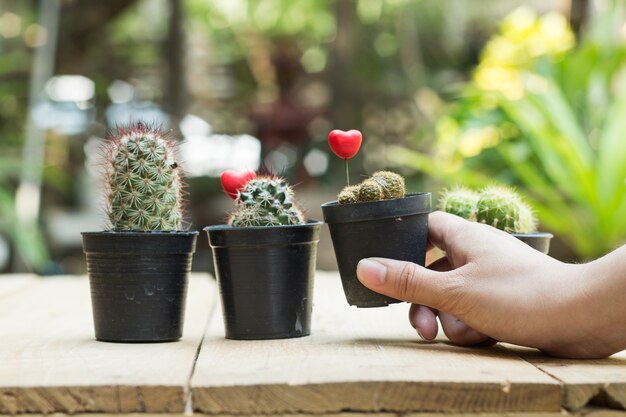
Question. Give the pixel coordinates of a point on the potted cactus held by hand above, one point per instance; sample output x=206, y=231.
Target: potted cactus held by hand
x=264, y=259
x=375, y=218
x=500, y=207
x=138, y=269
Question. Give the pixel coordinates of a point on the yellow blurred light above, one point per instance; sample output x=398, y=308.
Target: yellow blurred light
x=474, y=140
x=10, y=25
x=35, y=35
x=520, y=23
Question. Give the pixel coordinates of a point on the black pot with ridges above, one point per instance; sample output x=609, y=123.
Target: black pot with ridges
x=265, y=276
x=138, y=283
x=394, y=228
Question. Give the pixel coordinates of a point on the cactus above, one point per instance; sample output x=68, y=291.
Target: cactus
x=383, y=185
x=143, y=180
x=349, y=194
x=265, y=201
x=370, y=190
x=461, y=202
x=499, y=207
x=391, y=183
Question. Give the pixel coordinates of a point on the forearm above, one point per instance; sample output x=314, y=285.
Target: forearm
x=605, y=288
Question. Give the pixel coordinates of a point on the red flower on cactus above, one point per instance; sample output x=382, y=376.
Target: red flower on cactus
x=345, y=144
x=233, y=181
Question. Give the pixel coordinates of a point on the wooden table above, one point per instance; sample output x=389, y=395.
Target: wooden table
x=356, y=361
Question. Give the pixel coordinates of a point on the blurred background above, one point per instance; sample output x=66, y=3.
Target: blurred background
x=526, y=93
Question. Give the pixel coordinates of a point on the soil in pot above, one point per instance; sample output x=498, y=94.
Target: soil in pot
x=396, y=229
x=138, y=283
x=265, y=277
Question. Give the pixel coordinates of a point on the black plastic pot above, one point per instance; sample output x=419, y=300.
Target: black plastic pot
x=138, y=283
x=396, y=229
x=538, y=240
x=265, y=277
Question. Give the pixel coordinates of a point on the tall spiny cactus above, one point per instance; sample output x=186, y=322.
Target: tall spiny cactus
x=266, y=201
x=144, y=180
x=382, y=185
x=496, y=206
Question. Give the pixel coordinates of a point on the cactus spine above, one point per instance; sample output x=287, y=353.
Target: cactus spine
x=499, y=207
x=143, y=180
x=266, y=201
x=383, y=185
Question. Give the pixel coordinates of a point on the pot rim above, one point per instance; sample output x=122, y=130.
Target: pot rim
x=411, y=204
x=142, y=233
x=308, y=223
x=223, y=235
x=537, y=235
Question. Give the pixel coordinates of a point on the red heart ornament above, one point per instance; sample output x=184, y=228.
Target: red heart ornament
x=345, y=144
x=233, y=181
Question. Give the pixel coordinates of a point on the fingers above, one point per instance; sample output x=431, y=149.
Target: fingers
x=424, y=320
x=459, y=333
x=442, y=228
x=409, y=282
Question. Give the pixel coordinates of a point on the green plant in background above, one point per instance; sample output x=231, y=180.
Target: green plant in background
x=143, y=179
x=382, y=185
x=547, y=116
x=28, y=241
x=266, y=201
x=497, y=206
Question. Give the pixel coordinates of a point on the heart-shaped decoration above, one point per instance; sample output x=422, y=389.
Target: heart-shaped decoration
x=233, y=181
x=345, y=144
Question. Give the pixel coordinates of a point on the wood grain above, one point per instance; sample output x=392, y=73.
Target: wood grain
x=51, y=362
x=582, y=413
x=361, y=360
x=585, y=382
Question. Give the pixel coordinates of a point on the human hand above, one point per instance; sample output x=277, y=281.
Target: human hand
x=497, y=286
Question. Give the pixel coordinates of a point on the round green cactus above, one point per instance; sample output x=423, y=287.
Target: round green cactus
x=266, y=201
x=461, y=202
x=349, y=194
x=500, y=207
x=527, y=222
x=143, y=180
x=391, y=183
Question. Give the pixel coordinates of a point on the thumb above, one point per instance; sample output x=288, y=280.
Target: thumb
x=409, y=282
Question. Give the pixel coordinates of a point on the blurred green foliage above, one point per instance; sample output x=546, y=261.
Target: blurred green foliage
x=548, y=117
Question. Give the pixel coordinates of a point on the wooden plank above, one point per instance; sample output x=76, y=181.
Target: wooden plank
x=361, y=360
x=582, y=413
x=589, y=382
x=51, y=362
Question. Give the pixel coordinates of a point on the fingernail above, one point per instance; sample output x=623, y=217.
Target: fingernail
x=371, y=272
x=419, y=332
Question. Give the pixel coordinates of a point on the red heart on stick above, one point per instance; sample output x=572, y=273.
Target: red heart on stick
x=233, y=181
x=345, y=144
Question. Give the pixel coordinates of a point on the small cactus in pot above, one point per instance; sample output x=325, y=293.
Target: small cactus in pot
x=264, y=259
x=144, y=246
x=497, y=206
x=500, y=207
x=376, y=218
